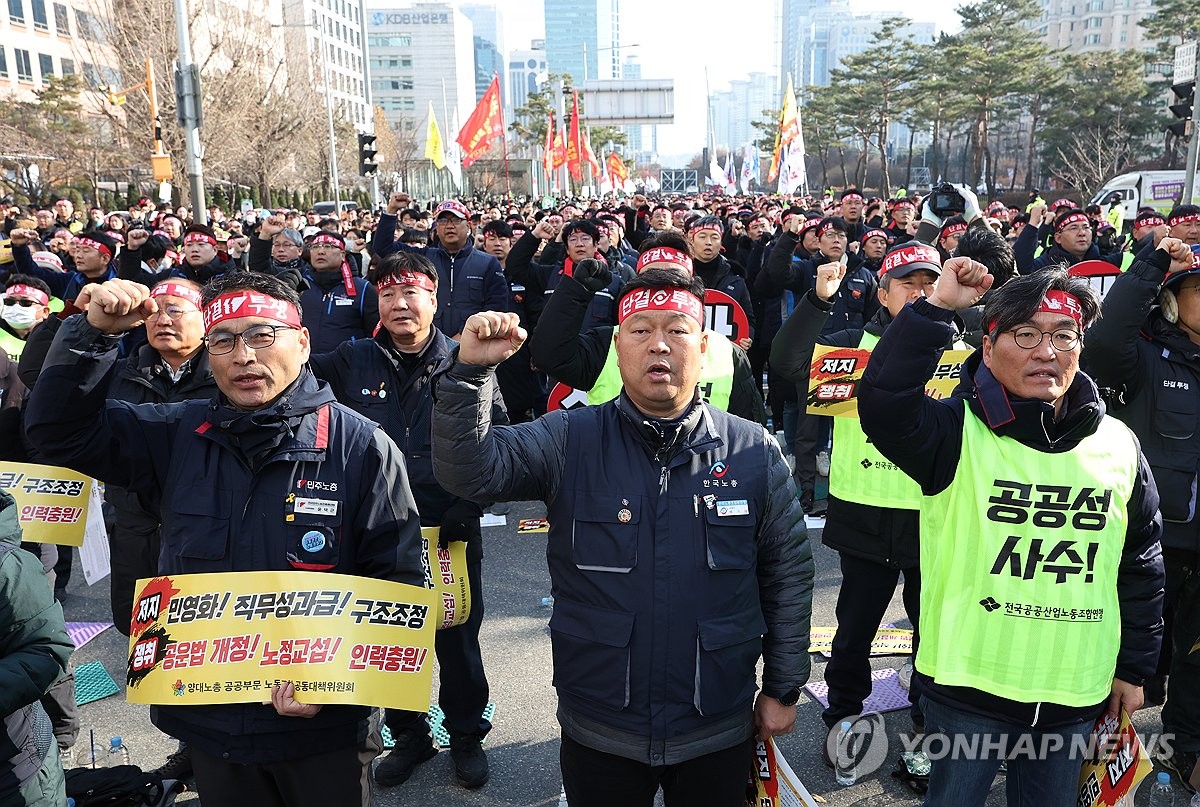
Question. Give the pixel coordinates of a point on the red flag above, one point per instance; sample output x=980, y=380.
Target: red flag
x=560, y=150
x=617, y=169
x=575, y=143
x=548, y=152
x=485, y=125
x=590, y=156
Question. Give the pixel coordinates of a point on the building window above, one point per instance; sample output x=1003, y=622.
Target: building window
x=91, y=76
x=1091, y=39
x=40, y=21
x=16, y=12
x=3, y=63
x=24, y=65
x=68, y=67
x=61, y=24
x=396, y=41
x=46, y=66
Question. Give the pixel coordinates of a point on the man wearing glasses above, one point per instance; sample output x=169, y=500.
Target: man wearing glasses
x=221, y=475
x=469, y=280
x=1041, y=572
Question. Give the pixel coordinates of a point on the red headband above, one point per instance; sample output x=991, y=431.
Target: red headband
x=665, y=255
x=325, y=239
x=904, y=202
x=827, y=227
x=679, y=300
x=1183, y=217
x=177, y=290
x=406, y=278
x=29, y=291
x=1056, y=302
x=195, y=238
x=96, y=245
x=714, y=226
x=1073, y=218
x=875, y=234
x=954, y=229
x=1149, y=221
x=808, y=225
x=237, y=304
x=852, y=197
x=916, y=253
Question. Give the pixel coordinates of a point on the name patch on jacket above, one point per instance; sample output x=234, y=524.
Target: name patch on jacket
x=316, y=507
x=733, y=507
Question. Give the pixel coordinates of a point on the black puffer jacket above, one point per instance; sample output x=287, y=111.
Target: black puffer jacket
x=1155, y=370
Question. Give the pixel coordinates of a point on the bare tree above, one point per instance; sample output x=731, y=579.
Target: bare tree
x=1092, y=156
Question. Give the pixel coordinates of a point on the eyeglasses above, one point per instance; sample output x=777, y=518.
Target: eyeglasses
x=1030, y=338
x=20, y=302
x=176, y=313
x=256, y=337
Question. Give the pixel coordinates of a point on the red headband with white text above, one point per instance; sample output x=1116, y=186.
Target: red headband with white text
x=96, y=245
x=678, y=300
x=177, y=290
x=238, y=304
x=669, y=255
x=29, y=291
x=406, y=278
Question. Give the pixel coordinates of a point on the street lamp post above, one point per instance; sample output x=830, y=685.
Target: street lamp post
x=189, y=117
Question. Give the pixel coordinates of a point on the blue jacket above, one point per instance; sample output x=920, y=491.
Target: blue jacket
x=602, y=310
x=332, y=316
x=677, y=556
x=469, y=281
x=368, y=377
x=223, y=507
x=63, y=285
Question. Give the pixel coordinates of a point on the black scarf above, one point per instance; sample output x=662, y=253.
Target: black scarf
x=261, y=431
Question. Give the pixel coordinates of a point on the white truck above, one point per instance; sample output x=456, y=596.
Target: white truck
x=1160, y=190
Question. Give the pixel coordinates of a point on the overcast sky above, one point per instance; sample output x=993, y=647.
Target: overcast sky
x=679, y=41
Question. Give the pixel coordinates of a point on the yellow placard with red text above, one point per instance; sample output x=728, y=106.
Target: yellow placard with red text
x=52, y=502
x=836, y=372
x=446, y=574
x=1118, y=762
x=230, y=637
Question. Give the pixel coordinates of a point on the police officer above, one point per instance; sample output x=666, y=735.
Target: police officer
x=221, y=490
x=1148, y=353
x=386, y=379
x=1041, y=576
x=668, y=578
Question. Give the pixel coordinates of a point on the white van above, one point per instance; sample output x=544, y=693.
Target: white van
x=1160, y=190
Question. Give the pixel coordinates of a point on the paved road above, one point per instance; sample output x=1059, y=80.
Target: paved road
x=523, y=747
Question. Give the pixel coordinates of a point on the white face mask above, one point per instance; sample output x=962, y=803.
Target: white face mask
x=18, y=316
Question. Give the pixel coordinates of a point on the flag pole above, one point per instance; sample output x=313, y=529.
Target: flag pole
x=503, y=136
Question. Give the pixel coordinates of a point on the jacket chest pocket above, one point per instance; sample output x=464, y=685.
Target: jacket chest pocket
x=730, y=535
x=1175, y=413
x=604, y=536
x=313, y=534
x=195, y=536
x=475, y=289
x=591, y=648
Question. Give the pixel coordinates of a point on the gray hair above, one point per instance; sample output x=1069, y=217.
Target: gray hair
x=1017, y=301
x=292, y=235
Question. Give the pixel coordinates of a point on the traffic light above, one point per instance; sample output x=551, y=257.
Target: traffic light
x=366, y=155
x=1185, y=97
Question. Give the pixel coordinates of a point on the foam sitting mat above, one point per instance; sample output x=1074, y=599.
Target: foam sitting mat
x=83, y=632
x=886, y=693
x=441, y=737
x=93, y=683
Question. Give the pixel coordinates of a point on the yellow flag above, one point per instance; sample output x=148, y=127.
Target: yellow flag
x=433, y=142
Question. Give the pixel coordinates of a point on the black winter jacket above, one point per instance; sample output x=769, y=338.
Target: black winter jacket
x=720, y=275
x=924, y=438
x=220, y=483
x=857, y=299
x=576, y=359
x=1155, y=370
x=370, y=378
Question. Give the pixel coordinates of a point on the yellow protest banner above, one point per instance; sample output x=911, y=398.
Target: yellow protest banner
x=887, y=641
x=836, y=372
x=52, y=502
x=450, y=581
x=1118, y=761
x=228, y=638
x=772, y=781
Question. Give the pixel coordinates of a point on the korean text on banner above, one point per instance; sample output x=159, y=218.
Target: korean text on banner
x=446, y=574
x=52, y=503
x=228, y=638
x=1118, y=762
x=836, y=372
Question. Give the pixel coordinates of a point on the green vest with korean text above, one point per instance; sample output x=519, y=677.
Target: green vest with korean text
x=716, y=374
x=1019, y=561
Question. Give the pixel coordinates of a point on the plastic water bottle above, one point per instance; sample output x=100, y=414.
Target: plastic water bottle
x=90, y=754
x=1195, y=802
x=546, y=602
x=1162, y=794
x=117, y=754
x=846, y=771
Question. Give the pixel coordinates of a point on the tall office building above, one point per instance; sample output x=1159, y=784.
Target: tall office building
x=1080, y=26
x=325, y=38
x=524, y=68
x=488, y=44
x=583, y=38
x=734, y=110
x=41, y=39
x=421, y=53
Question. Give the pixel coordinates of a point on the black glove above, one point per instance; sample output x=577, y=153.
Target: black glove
x=460, y=523
x=593, y=274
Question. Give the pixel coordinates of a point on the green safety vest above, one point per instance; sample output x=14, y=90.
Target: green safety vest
x=1019, y=560
x=859, y=473
x=716, y=373
x=11, y=345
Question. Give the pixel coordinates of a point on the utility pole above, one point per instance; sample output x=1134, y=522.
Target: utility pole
x=366, y=57
x=187, y=92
